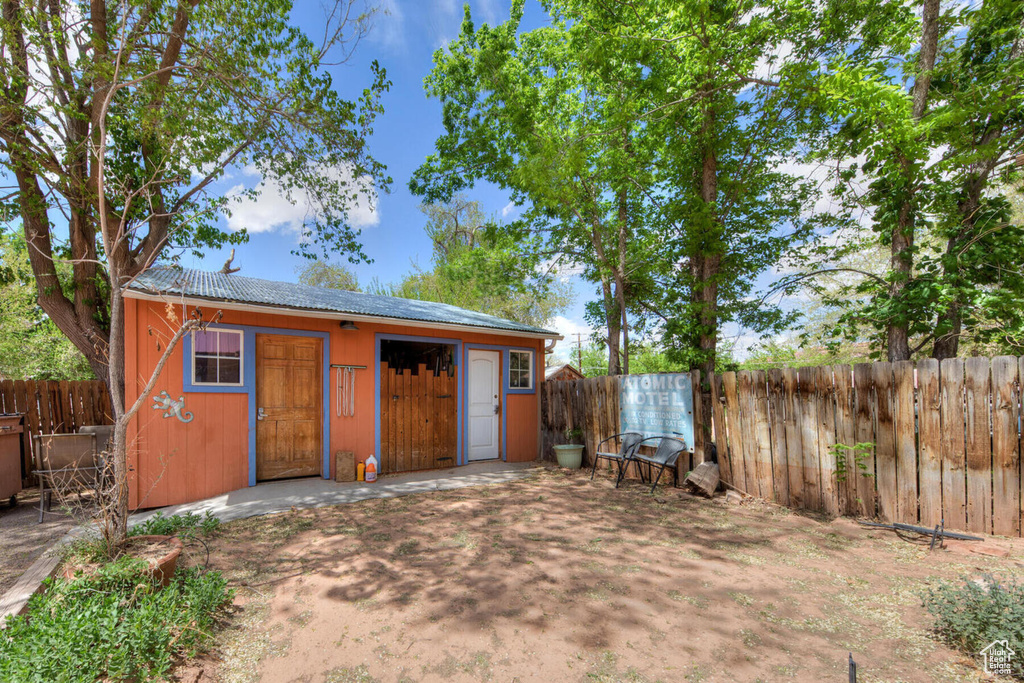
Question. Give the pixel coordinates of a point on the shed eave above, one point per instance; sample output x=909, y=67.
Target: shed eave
x=332, y=315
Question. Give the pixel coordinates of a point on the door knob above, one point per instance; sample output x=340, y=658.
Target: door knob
x=497, y=408
x=259, y=414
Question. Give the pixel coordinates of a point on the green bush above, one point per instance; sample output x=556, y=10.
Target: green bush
x=115, y=625
x=158, y=525
x=971, y=615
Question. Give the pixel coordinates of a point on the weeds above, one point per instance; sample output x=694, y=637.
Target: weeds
x=116, y=625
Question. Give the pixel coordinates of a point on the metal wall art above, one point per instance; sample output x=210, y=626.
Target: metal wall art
x=164, y=402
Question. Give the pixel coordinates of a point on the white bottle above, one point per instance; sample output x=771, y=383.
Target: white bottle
x=371, y=468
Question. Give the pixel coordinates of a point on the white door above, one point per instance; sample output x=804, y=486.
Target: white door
x=484, y=405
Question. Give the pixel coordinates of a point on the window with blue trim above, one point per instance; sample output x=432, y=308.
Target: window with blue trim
x=520, y=369
x=217, y=358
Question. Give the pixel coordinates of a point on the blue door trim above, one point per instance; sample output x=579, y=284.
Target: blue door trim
x=378, y=338
x=249, y=384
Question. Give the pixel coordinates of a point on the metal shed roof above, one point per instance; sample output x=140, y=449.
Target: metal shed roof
x=218, y=287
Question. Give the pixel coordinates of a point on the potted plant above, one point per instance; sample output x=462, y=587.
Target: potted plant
x=570, y=455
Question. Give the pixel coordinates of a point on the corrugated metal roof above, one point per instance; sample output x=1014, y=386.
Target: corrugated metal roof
x=249, y=290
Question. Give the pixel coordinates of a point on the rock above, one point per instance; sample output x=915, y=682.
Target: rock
x=733, y=497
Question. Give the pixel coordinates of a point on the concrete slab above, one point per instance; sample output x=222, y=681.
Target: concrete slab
x=281, y=496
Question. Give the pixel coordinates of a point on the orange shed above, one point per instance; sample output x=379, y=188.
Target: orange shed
x=289, y=375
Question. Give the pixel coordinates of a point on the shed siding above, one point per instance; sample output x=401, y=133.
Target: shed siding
x=173, y=462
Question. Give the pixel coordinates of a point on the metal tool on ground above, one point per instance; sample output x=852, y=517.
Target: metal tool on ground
x=936, y=535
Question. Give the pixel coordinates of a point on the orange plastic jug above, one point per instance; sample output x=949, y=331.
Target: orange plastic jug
x=360, y=468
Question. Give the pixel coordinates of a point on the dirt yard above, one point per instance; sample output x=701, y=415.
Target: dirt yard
x=23, y=539
x=557, y=578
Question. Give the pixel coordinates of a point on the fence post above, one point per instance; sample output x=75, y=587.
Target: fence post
x=977, y=390
x=777, y=429
x=700, y=436
x=929, y=421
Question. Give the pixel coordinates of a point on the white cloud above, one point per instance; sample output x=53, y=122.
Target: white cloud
x=389, y=27
x=742, y=340
x=489, y=11
x=556, y=266
x=273, y=210
x=769, y=64
x=509, y=208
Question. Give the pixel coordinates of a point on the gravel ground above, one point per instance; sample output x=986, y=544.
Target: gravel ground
x=23, y=539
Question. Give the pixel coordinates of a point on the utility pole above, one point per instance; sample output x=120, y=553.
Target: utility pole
x=579, y=351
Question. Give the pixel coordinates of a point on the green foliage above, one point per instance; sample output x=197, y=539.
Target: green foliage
x=929, y=170
x=573, y=435
x=645, y=358
x=199, y=89
x=115, y=625
x=524, y=111
x=329, y=275
x=94, y=550
x=483, y=266
x=31, y=346
x=785, y=354
x=971, y=615
x=851, y=459
x=649, y=154
x=190, y=522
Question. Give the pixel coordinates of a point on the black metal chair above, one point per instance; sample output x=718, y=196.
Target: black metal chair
x=629, y=441
x=666, y=455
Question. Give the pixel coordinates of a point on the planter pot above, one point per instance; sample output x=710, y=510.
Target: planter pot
x=161, y=552
x=569, y=455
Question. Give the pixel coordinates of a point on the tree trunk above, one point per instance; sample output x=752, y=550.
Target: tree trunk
x=705, y=262
x=948, y=344
x=117, y=508
x=950, y=321
x=901, y=265
x=902, y=243
x=620, y=276
x=613, y=322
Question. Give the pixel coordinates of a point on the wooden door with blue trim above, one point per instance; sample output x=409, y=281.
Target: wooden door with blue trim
x=289, y=406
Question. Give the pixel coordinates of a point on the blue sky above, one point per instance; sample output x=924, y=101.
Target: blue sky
x=402, y=40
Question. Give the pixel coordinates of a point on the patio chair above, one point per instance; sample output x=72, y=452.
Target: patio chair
x=629, y=440
x=666, y=455
x=64, y=462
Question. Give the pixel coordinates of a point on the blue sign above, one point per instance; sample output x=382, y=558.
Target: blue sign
x=657, y=405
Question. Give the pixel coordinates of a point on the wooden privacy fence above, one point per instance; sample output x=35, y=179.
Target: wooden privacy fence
x=52, y=407
x=592, y=405
x=944, y=441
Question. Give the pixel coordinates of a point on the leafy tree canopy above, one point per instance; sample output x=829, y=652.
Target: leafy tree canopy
x=117, y=119
x=480, y=265
x=31, y=346
x=326, y=274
